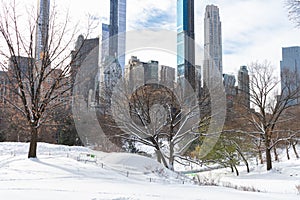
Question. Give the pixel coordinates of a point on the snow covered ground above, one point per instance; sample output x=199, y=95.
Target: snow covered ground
x=283, y=179
x=62, y=172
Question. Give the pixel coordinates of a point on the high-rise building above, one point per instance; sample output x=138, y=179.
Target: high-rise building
x=243, y=86
x=137, y=71
x=198, y=75
x=290, y=67
x=104, y=42
x=84, y=61
x=212, y=43
x=117, y=30
x=229, y=84
x=166, y=75
x=42, y=29
x=186, y=41
x=230, y=90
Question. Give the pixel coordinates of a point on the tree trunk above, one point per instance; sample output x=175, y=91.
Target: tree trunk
x=158, y=156
x=275, y=153
x=244, y=159
x=236, y=170
x=33, y=142
x=162, y=158
x=231, y=167
x=268, y=150
x=287, y=151
x=268, y=158
x=295, y=150
x=171, y=158
x=260, y=156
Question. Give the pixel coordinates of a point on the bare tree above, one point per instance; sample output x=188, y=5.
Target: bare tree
x=268, y=106
x=39, y=66
x=293, y=7
x=158, y=117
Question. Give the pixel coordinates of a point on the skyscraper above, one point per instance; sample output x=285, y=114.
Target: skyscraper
x=212, y=43
x=42, y=29
x=290, y=66
x=117, y=30
x=185, y=41
x=104, y=42
x=230, y=90
x=243, y=86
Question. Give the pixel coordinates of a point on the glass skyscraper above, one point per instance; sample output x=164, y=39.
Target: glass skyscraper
x=185, y=41
x=290, y=66
x=104, y=42
x=117, y=30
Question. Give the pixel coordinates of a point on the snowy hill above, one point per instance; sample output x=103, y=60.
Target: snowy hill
x=62, y=172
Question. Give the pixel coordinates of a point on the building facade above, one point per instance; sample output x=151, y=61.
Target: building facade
x=117, y=30
x=42, y=29
x=84, y=67
x=166, y=75
x=212, y=44
x=186, y=41
x=138, y=72
x=290, y=69
x=244, y=86
x=104, y=42
x=230, y=90
x=3, y=87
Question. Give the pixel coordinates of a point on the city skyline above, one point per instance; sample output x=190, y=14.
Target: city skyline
x=245, y=27
x=249, y=34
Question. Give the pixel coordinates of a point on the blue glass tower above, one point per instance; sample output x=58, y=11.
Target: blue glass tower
x=185, y=41
x=105, y=42
x=117, y=30
x=290, y=67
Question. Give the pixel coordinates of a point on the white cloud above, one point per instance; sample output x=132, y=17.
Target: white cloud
x=252, y=29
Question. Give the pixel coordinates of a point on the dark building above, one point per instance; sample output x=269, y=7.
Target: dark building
x=84, y=66
x=230, y=90
x=243, y=86
x=21, y=63
x=290, y=69
x=185, y=41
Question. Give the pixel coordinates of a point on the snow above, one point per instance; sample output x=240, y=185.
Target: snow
x=283, y=178
x=62, y=172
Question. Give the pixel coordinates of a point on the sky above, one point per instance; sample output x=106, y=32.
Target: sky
x=252, y=30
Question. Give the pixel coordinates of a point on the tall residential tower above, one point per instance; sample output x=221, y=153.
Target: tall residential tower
x=244, y=86
x=186, y=41
x=212, y=43
x=42, y=29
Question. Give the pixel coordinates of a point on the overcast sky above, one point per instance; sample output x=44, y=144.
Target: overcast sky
x=252, y=30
